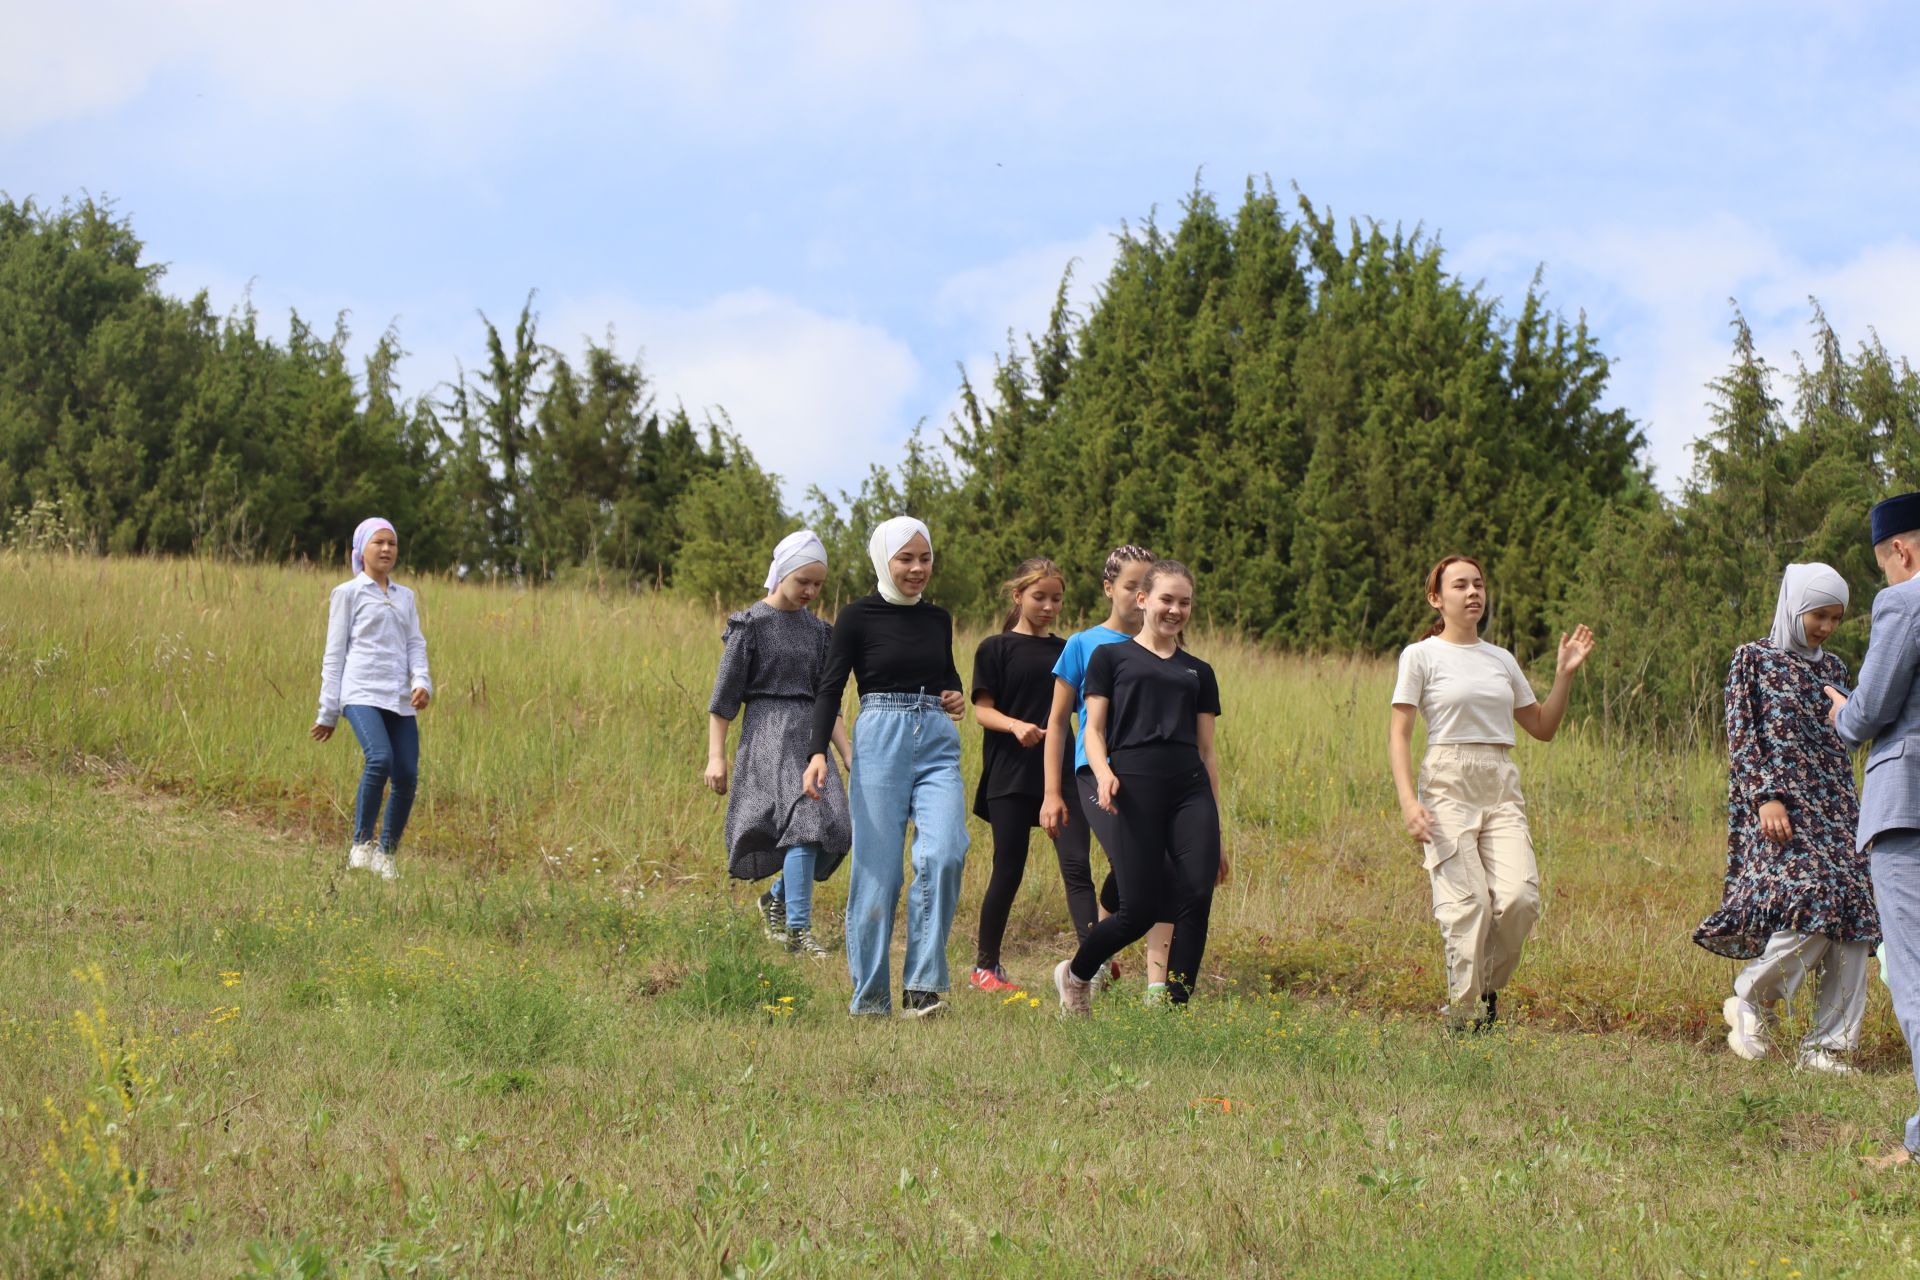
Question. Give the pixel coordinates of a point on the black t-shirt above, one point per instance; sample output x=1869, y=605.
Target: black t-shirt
x=1155, y=701
x=1016, y=671
x=886, y=648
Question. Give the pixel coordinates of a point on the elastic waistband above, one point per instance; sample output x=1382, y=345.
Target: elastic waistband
x=1470, y=750
x=1157, y=757
x=901, y=701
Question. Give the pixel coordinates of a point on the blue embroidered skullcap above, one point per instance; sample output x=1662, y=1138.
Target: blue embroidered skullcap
x=1896, y=515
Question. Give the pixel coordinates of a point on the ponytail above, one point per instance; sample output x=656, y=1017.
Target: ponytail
x=1033, y=569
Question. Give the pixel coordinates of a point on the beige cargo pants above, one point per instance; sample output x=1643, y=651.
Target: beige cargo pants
x=1486, y=887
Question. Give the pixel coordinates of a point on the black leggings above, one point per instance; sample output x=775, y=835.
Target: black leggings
x=1013, y=818
x=1079, y=876
x=1166, y=858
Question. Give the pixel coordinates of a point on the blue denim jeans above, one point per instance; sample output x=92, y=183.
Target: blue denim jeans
x=391, y=744
x=906, y=766
x=1896, y=892
x=794, y=885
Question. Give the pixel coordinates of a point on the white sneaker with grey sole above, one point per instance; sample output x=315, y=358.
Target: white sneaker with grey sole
x=360, y=857
x=383, y=865
x=1821, y=1060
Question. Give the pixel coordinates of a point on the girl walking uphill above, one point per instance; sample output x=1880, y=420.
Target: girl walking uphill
x=1012, y=694
x=1151, y=708
x=1799, y=897
x=374, y=672
x=1468, y=813
x=772, y=661
x=906, y=764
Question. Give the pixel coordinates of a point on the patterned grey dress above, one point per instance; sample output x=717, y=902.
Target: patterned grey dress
x=770, y=663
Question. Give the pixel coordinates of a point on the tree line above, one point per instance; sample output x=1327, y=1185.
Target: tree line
x=1307, y=410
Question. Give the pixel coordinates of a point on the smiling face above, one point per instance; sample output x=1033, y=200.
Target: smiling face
x=801, y=587
x=1165, y=604
x=1039, y=604
x=1124, y=591
x=1818, y=624
x=1462, y=597
x=381, y=553
x=911, y=566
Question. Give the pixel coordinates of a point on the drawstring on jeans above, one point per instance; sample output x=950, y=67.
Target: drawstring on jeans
x=921, y=708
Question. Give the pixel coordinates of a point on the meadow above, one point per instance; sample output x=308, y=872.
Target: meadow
x=557, y=1046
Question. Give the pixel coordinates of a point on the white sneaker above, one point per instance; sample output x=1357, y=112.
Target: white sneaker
x=382, y=865
x=360, y=857
x=1821, y=1060
x=1747, y=1030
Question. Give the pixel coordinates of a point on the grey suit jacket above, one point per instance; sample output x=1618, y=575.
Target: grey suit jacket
x=1885, y=709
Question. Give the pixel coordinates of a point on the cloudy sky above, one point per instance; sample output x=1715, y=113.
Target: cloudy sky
x=811, y=213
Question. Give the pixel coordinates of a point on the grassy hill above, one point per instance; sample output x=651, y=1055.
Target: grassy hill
x=556, y=1047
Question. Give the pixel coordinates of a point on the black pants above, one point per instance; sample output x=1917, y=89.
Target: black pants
x=1166, y=857
x=1013, y=819
x=1079, y=877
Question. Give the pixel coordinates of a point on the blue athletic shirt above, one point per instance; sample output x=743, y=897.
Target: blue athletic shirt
x=1072, y=667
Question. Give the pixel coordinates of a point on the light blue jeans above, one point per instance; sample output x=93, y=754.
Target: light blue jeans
x=906, y=765
x=794, y=885
x=1896, y=892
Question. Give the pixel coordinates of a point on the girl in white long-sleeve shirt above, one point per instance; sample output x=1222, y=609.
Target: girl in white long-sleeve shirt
x=375, y=674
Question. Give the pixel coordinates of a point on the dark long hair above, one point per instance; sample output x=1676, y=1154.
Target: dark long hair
x=1122, y=556
x=1433, y=588
x=1033, y=569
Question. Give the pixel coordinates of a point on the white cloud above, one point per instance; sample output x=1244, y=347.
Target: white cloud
x=816, y=397
x=1658, y=300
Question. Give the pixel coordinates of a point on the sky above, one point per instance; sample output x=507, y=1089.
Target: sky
x=813, y=215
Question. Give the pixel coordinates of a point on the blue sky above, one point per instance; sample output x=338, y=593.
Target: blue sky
x=810, y=213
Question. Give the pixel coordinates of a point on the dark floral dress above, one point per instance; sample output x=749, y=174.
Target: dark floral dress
x=1780, y=747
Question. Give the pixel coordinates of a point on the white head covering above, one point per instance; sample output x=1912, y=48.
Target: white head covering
x=362, y=533
x=887, y=539
x=1802, y=588
x=801, y=547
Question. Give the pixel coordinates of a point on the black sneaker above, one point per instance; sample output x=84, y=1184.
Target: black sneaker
x=921, y=1004
x=1491, y=999
x=801, y=942
x=773, y=913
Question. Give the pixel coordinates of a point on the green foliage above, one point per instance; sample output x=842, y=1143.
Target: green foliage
x=133, y=422
x=731, y=974
x=1676, y=587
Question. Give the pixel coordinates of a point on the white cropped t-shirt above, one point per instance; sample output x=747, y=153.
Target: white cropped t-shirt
x=1467, y=692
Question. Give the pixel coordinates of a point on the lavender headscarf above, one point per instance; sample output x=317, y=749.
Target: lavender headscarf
x=366, y=529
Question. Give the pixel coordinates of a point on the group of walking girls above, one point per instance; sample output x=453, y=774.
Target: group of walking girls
x=1143, y=773
x=1817, y=873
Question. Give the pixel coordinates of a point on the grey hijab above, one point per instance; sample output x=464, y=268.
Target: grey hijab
x=1804, y=587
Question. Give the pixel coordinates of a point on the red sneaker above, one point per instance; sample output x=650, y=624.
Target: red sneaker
x=994, y=979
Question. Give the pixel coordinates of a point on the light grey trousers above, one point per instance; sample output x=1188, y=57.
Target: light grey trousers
x=1840, y=1000
x=1896, y=892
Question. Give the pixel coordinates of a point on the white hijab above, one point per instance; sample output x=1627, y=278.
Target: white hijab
x=1802, y=588
x=801, y=547
x=887, y=539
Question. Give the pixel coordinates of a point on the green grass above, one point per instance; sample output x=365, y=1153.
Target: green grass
x=558, y=1046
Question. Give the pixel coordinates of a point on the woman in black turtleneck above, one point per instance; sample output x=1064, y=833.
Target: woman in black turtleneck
x=906, y=764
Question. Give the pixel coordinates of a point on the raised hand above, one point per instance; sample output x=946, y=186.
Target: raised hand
x=1574, y=650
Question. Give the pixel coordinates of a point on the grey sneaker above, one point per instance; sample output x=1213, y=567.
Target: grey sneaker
x=773, y=916
x=801, y=942
x=1076, y=995
x=1747, y=1029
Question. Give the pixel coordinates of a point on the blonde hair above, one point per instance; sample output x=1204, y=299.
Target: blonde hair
x=1033, y=569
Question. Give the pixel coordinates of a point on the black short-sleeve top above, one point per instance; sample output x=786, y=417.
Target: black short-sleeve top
x=1016, y=671
x=1155, y=702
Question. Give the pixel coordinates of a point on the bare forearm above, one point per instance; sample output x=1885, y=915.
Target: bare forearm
x=994, y=719
x=717, y=737
x=1400, y=757
x=841, y=743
